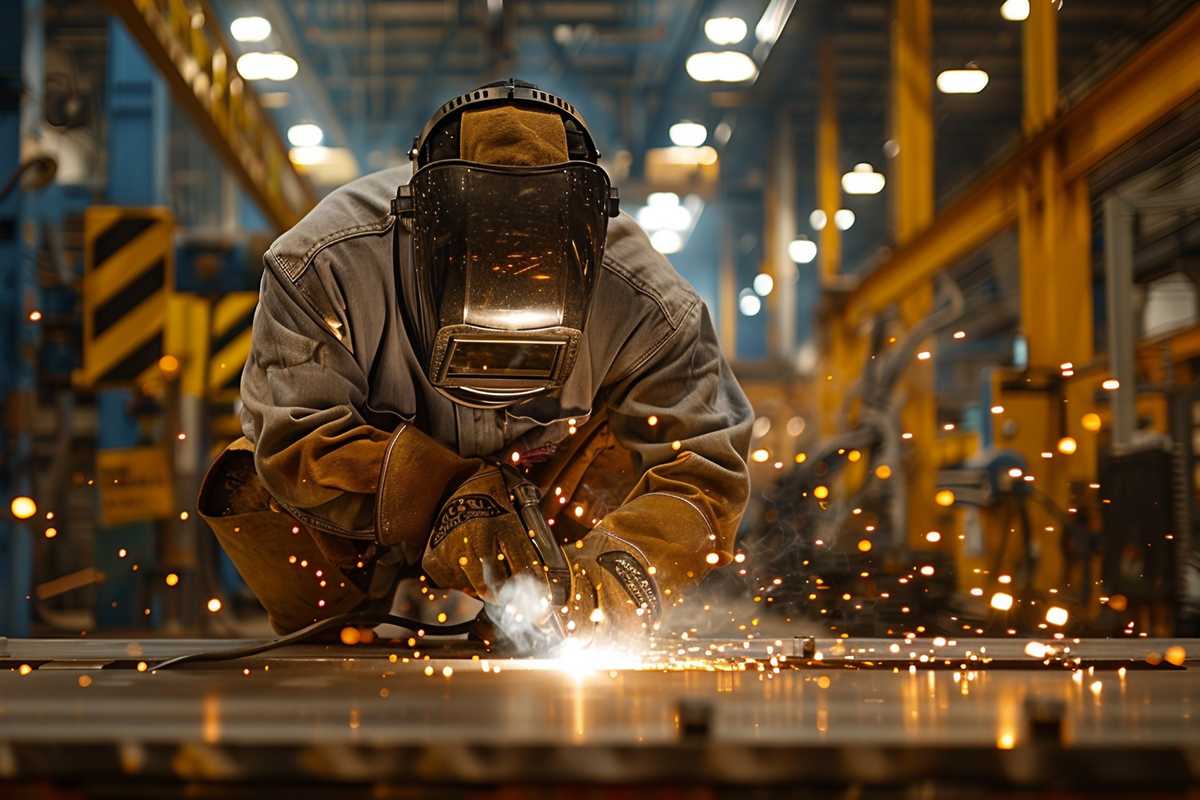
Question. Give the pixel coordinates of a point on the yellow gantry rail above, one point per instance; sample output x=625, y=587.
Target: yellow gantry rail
x=182, y=39
x=1156, y=81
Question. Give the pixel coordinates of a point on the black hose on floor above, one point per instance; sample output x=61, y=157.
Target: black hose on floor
x=367, y=619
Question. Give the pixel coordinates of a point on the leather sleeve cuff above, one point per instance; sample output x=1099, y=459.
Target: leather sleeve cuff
x=417, y=475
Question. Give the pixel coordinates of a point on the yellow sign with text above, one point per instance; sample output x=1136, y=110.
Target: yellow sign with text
x=135, y=485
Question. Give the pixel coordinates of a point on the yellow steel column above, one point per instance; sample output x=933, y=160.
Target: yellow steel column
x=1039, y=59
x=912, y=212
x=1054, y=227
x=779, y=228
x=912, y=118
x=829, y=187
x=727, y=293
x=835, y=373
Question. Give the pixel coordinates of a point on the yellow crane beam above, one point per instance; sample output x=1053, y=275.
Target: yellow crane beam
x=183, y=40
x=1161, y=77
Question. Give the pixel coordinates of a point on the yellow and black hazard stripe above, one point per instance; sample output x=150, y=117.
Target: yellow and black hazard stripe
x=128, y=277
x=229, y=344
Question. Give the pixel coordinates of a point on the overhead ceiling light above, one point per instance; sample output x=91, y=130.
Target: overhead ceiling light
x=725, y=30
x=250, y=29
x=696, y=156
x=843, y=218
x=1015, y=10
x=666, y=241
x=863, y=179
x=267, y=67
x=817, y=220
x=969, y=80
x=749, y=303
x=774, y=18
x=305, y=134
x=308, y=155
x=727, y=66
x=802, y=250
x=688, y=134
x=662, y=199
x=657, y=218
x=764, y=284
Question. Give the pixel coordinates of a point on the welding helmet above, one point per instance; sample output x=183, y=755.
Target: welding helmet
x=504, y=256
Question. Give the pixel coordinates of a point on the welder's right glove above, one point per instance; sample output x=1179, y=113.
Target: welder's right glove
x=614, y=597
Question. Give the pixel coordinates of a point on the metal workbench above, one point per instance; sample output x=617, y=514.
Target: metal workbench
x=880, y=713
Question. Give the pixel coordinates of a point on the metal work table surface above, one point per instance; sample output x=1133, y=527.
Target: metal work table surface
x=853, y=712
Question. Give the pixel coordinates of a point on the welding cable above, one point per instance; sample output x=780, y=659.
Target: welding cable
x=366, y=619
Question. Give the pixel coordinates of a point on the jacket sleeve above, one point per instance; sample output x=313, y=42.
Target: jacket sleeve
x=302, y=391
x=687, y=421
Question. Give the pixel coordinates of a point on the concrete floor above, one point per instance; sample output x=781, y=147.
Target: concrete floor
x=856, y=714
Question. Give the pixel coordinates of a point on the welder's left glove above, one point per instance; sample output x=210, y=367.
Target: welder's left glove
x=614, y=596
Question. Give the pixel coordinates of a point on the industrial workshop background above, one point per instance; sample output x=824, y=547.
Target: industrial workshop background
x=951, y=249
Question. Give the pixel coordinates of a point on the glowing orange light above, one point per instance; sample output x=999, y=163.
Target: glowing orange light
x=883, y=472
x=944, y=498
x=1067, y=445
x=1091, y=422
x=821, y=492
x=23, y=507
x=168, y=364
x=864, y=545
x=1002, y=601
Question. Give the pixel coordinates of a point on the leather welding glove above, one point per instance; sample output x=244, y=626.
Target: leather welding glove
x=477, y=540
x=416, y=476
x=614, y=596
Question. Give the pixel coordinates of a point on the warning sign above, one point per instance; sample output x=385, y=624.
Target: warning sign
x=135, y=485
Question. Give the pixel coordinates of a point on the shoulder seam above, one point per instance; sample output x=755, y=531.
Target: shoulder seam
x=625, y=274
x=653, y=351
x=296, y=268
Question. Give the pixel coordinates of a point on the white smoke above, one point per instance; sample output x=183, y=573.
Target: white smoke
x=520, y=609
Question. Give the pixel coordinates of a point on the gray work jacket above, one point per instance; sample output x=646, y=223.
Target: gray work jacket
x=332, y=372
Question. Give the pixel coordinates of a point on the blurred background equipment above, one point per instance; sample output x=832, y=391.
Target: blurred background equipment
x=936, y=238
x=951, y=248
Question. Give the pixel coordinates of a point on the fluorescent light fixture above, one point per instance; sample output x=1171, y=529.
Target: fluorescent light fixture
x=688, y=134
x=694, y=156
x=749, y=303
x=844, y=218
x=267, y=67
x=309, y=155
x=863, y=179
x=774, y=18
x=663, y=217
x=764, y=284
x=666, y=241
x=1015, y=10
x=802, y=250
x=818, y=220
x=250, y=29
x=305, y=134
x=725, y=30
x=662, y=199
x=726, y=66
x=969, y=80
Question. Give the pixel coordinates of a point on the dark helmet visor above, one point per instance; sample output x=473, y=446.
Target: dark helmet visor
x=506, y=260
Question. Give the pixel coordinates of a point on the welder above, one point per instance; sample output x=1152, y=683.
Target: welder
x=482, y=372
